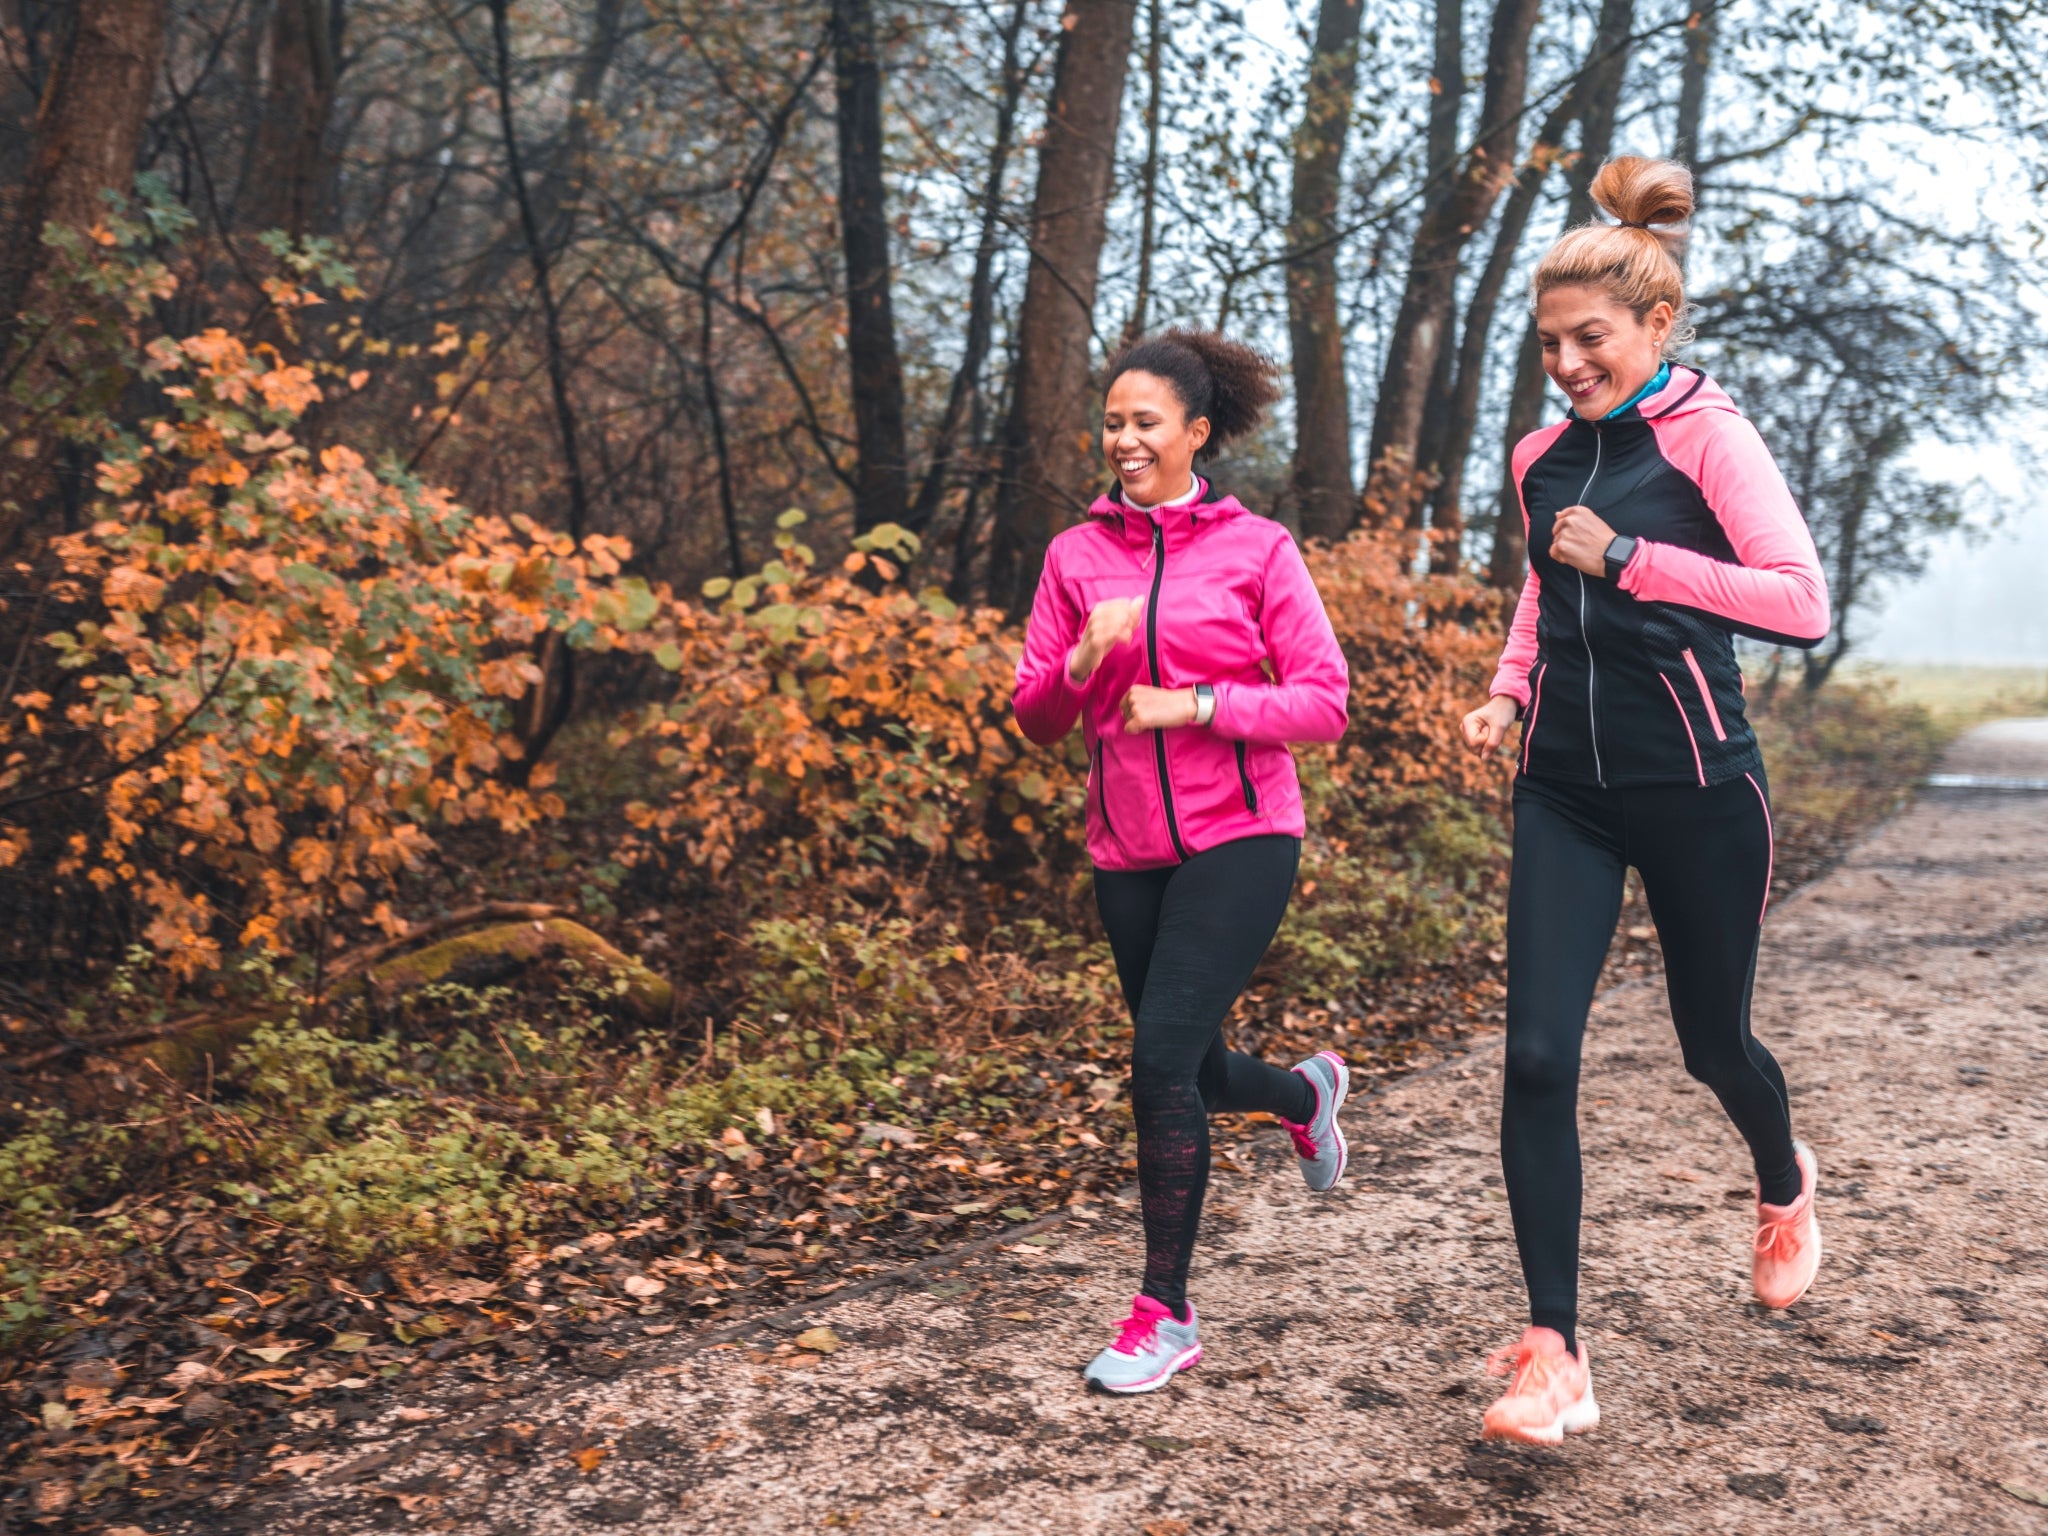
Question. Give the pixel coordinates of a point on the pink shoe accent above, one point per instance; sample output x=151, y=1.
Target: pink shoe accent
x=1138, y=1328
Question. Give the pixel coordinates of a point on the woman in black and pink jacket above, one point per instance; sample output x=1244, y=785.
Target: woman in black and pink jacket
x=1658, y=529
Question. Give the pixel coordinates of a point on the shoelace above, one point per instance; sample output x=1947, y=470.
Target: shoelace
x=1135, y=1334
x=1532, y=1371
x=1304, y=1144
x=1779, y=1239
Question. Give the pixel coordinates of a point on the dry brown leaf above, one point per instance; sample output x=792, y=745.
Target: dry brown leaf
x=644, y=1285
x=820, y=1340
x=299, y=1466
x=590, y=1457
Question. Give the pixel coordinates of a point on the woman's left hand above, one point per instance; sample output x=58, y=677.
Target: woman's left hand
x=1157, y=709
x=1580, y=540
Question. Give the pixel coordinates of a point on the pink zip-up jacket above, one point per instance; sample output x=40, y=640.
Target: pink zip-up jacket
x=1228, y=602
x=1636, y=681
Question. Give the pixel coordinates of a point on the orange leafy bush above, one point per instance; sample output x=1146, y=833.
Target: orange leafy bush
x=294, y=665
x=827, y=720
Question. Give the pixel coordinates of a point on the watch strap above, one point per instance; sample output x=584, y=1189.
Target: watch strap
x=1619, y=551
x=1205, y=703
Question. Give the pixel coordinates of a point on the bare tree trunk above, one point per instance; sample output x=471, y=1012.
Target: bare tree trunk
x=1047, y=463
x=1396, y=475
x=1510, y=557
x=292, y=163
x=543, y=280
x=965, y=398
x=553, y=210
x=1460, y=418
x=1148, y=178
x=882, y=490
x=88, y=131
x=1323, y=489
x=1686, y=146
x=1599, y=86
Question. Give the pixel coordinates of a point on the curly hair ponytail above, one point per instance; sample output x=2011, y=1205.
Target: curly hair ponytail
x=1230, y=383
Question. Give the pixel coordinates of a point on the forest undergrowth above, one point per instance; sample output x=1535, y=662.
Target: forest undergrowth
x=376, y=1024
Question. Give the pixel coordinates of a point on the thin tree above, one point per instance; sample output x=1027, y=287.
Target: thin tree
x=1417, y=351
x=1048, y=463
x=1324, y=491
x=1600, y=84
x=882, y=489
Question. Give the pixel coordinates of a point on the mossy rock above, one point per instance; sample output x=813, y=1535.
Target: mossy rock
x=487, y=956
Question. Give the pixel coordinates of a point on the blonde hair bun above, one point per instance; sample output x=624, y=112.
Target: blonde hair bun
x=1646, y=194
x=1634, y=259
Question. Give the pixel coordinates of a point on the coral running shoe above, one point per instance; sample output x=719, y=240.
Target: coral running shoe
x=1319, y=1144
x=1788, y=1240
x=1149, y=1349
x=1551, y=1395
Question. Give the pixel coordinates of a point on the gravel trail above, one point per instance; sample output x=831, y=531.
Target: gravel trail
x=1907, y=997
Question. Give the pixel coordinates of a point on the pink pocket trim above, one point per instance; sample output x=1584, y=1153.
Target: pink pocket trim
x=1697, y=766
x=1529, y=730
x=1771, y=832
x=1706, y=696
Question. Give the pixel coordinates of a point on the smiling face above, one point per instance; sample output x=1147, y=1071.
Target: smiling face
x=1148, y=439
x=1595, y=349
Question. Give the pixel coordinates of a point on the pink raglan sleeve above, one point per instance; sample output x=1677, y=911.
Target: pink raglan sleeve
x=1308, y=702
x=1778, y=591
x=1046, y=701
x=1511, y=677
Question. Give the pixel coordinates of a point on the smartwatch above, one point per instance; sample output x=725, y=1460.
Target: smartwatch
x=1205, y=703
x=1618, y=553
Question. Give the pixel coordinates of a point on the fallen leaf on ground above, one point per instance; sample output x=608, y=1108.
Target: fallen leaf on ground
x=590, y=1456
x=2025, y=1494
x=1019, y=1317
x=1988, y=1255
x=1015, y=1213
x=269, y=1354
x=1682, y=1175
x=644, y=1285
x=349, y=1343
x=299, y=1466
x=821, y=1340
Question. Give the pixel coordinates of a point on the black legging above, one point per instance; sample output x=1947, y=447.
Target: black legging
x=1705, y=859
x=1186, y=939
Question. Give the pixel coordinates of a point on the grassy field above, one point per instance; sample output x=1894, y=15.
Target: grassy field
x=1959, y=697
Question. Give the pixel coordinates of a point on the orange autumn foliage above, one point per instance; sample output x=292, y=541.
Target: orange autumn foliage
x=296, y=666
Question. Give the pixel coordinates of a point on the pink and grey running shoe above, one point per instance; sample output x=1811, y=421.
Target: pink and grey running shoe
x=1319, y=1144
x=1150, y=1349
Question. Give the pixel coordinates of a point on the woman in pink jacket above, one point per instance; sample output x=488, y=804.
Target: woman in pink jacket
x=1185, y=635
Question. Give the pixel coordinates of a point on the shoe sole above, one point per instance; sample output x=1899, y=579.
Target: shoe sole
x=1575, y=1420
x=1179, y=1363
x=1343, y=1093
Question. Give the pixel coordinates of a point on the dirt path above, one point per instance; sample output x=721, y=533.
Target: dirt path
x=1907, y=995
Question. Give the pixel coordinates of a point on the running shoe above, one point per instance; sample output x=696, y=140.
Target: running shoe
x=1788, y=1240
x=1149, y=1349
x=1319, y=1144
x=1551, y=1395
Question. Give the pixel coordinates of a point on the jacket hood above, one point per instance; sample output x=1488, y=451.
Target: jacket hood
x=1690, y=391
x=1111, y=506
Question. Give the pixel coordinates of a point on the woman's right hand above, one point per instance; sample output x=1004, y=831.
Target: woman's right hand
x=1487, y=726
x=1112, y=622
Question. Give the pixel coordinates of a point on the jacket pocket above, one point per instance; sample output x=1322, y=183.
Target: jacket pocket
x=1101, y=767
x=1529, y=721
x=1244, y=781
x=1698, y=767
x=1706, y=694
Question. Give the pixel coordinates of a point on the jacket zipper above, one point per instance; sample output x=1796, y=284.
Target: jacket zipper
x=1592, y=674
x=1251, y=796
x=1152, y=658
